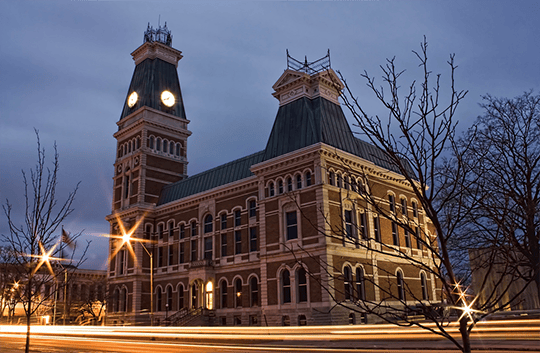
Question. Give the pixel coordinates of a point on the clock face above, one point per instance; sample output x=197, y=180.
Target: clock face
x=132, y=99
x=167, y=98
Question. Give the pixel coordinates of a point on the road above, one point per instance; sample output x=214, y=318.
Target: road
x=495, y=336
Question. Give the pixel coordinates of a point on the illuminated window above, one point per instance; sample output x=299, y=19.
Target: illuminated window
x=238, y=292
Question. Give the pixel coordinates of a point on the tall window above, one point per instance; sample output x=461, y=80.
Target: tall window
x=151, y=142
x=170, y=227
x=400, y=286
x=395, y=234
x=177, y=150
x=271, y=190
x=171, y=256
x=339, y=181
x=180, y=296
x=126, y=186
x=223, y=244
x=363, y=226
x=298, y=181
x=171, y=147
x=331, y=178
x=308, y=178
x=280, y=186
x=238, y=292
x=181, y=258
x=254, y=291
x=237, y=218
x=423, y=282
x=407, y=237
x=223, y=221
x=158, y=144
x=289, y=184
x=159, y=299
x=354, y=185
x=208, y=224
x=169, y=298
x=121, y=261
x=160, y=230
x=286, y=286
x=208, y=248
x=252, y=208
x=193, y=250
x=193, y=229
x=419, y=244
x=302, y=285
x=223, y=293
x=414, y=209
x=292, y=228
x=148, y=231
x=404, y=207
x=377, y=228
x=165, y=145
x=253, y=239
x=360, y=284
x=392, y=203
x=182, y=231
x=237, y=242
x=347, y=281
x=349, y=229
x=160, y=256
x=347, y=183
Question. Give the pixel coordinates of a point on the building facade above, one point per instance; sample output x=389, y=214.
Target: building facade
x=278, y=237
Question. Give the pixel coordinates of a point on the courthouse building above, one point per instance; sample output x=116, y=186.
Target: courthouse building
x=277, y=237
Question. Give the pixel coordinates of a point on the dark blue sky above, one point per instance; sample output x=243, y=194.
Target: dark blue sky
x=65, y=68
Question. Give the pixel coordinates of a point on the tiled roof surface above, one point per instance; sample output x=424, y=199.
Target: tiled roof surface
x=298, y=124
x=212, y=178
x=150, y=78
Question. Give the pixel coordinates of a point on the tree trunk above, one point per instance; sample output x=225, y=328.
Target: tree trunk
x=465, y=338
x=27, y=349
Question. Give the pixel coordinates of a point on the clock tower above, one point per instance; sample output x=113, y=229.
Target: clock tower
x=153, y=129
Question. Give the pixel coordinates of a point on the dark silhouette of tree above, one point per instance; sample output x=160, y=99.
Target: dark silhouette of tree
x=37, y=242
x=504, y=146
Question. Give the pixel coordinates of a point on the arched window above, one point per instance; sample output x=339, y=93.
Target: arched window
x=286, y=286
x=116, y=299
x=308, y=178
x=208, y=224
x=289, y=184
x=138, y=142
x=302, y=294
x=360, y=284
x=169, y=305
x=158, y=299
x=165, y=146
x=177, y=152
x=280, y=186
x=254, y=291
x=354, y=185
x=130, y=145
x=151, y=142
x=223, y=293
x=158, y=144
x=180, y=296
x=298, y=181
x=238, y=292
x=347, y=281
x=400, y=285
x=347, y=183
x=352, y=319
x=271, y=190
x=339, y=181
x=171, y=147
x=331, y=178
x=423, y=282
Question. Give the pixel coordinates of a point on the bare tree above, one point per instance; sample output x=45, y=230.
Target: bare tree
x=37, y=241
x=416, y=141
x=504, y=144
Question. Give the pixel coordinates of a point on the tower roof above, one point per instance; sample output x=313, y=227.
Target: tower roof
x=155, y=71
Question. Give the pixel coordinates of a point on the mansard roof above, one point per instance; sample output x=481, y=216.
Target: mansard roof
x=224, y=174
x=150, y=78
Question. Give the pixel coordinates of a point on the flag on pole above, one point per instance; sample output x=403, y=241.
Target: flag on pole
x=66, y=239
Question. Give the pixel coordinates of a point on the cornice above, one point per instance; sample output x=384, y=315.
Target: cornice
x=152, y=50
x=144, y=119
